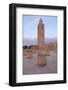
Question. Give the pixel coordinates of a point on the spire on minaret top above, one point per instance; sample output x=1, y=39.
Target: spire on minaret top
x=40, y=21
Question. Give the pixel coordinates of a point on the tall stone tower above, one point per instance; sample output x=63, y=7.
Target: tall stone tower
x=41, y=36
x=41, y=55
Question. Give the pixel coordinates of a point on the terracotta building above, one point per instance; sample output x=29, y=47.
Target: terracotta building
x=41, y=36
x=41, y=56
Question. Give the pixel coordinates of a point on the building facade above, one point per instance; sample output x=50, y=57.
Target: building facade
x=41, y=36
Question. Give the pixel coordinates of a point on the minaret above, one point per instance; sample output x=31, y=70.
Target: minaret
x=41, y=37
x=41, y=54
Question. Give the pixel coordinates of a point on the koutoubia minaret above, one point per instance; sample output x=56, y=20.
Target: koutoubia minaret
x=41, y=56
x=41, y=36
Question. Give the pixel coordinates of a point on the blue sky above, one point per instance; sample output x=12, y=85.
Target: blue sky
x=31, y=23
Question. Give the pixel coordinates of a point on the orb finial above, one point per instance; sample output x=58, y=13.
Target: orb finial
x=40, y=21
